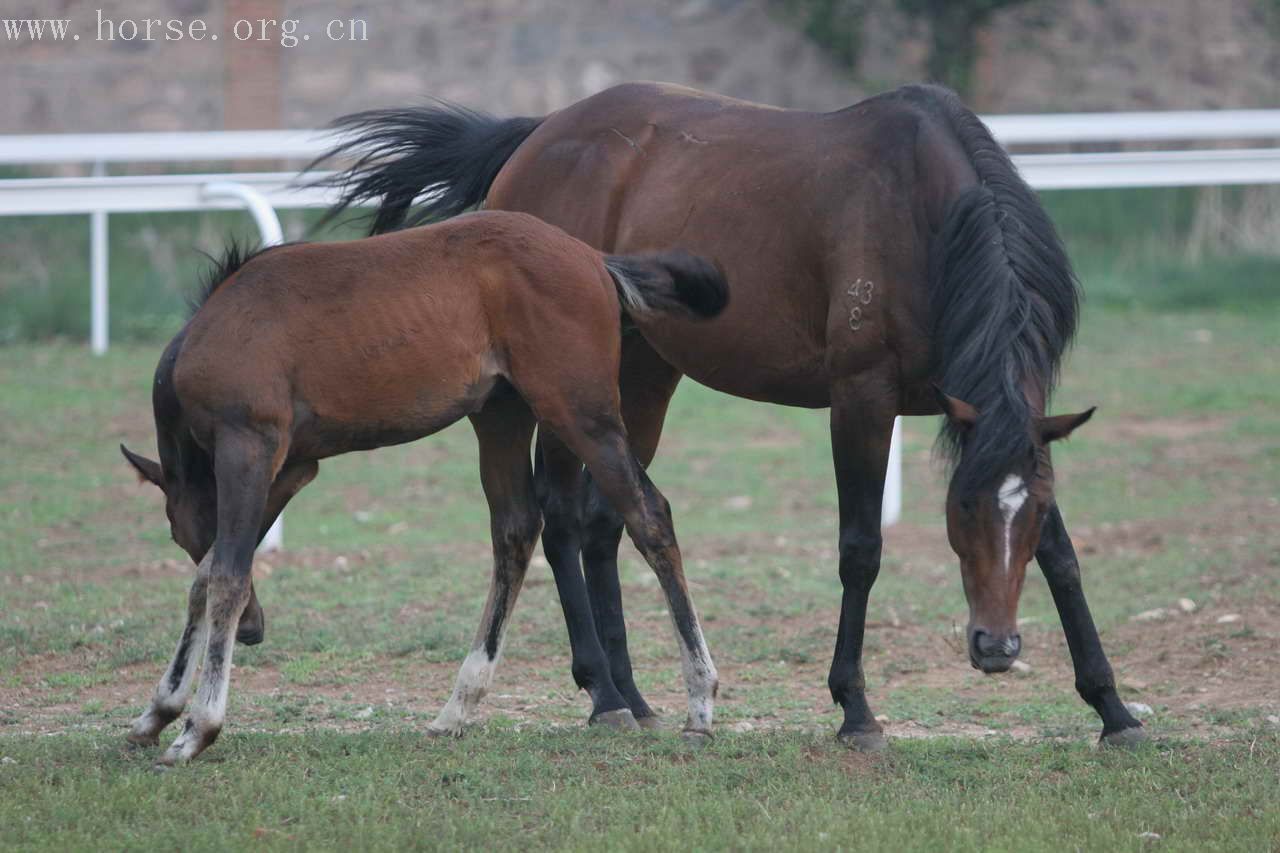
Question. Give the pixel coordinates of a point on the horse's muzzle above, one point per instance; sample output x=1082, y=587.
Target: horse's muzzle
x=992, y=653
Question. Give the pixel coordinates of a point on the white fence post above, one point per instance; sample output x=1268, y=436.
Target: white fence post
x=891, y=502
x=98, y=264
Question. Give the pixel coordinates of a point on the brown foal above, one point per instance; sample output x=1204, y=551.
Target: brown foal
x=308, y=351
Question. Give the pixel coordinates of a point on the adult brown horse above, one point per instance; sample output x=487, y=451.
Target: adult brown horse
x=878, y=254
x=307, y=351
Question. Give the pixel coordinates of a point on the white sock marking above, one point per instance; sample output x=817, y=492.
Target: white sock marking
x=700, y=678
x=474, y=677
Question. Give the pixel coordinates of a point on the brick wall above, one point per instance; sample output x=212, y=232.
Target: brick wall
x=531, y=56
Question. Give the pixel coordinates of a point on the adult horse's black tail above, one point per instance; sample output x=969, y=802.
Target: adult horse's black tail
x=441, y=155
x=1004, y=298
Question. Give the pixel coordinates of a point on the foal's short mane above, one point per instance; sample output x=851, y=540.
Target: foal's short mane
x=1004, y=301
x=234, y=256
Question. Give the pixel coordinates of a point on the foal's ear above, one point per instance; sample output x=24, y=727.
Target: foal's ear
x=148, y=471
x=956, y=409
x=1061, y=426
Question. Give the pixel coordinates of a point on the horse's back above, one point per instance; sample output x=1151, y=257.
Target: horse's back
x=786, y=200
x=412, y=328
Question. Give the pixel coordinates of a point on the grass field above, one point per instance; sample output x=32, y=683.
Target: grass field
x=1171, y=492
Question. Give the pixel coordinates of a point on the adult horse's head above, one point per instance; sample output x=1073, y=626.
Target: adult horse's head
x=1000, y=493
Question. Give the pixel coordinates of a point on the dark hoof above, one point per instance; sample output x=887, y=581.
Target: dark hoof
x=620, y=720
x=650, y=722
x=864, y=741
x=696, y=738
x=250, y=636
x=139, y=741
x=1129, y=738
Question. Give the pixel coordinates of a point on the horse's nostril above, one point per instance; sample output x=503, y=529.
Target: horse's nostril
x=987, y=646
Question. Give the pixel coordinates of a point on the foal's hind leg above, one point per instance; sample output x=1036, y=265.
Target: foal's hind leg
x=243, y=467
x=504, y=429
x=602, y=446
x=175, y=685
x=287, y=484
x=646, y=383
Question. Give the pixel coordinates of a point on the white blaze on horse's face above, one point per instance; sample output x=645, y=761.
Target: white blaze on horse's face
x=1012, y=495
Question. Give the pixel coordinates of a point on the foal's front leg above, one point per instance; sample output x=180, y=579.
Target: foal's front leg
x=175, y=685
x=243, y=471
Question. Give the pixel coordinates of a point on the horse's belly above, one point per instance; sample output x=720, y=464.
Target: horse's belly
x=380, y=400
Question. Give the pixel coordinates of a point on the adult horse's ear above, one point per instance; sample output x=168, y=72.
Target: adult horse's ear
x=1061, y=426
x=148, y=471
x=956, y=409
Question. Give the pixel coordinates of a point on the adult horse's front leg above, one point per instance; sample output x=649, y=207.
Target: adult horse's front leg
x=1094, y=679
x=862, y=413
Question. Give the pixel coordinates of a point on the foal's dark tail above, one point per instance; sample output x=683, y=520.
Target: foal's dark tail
x=668, y=282
x=442, y=155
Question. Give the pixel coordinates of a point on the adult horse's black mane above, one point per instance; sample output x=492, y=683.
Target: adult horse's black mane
x=1004, y=310
x=222, y=267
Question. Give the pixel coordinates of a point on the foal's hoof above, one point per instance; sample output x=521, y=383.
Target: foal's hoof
x=874, y=741
x=620, y=720
x=650, y=722
x=1130, y=738
x=138, y=741
x=444, y=731
x=696, y=737
x=250, y=636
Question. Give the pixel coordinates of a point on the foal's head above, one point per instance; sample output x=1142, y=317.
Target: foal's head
x=1000, y=494
x=185, y=471
x=189, y=502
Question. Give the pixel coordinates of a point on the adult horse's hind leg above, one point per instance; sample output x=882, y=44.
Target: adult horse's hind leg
x=504, y=429
x=1094, y=680
x=243, y=465
x=646, y=383
x=602, y=446
x=559, y=481
x=174, y=688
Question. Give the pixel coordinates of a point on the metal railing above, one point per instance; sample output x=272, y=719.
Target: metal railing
x=264, y=192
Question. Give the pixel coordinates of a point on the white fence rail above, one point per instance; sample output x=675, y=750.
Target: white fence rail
x=1011, y=130
x=262, y=192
